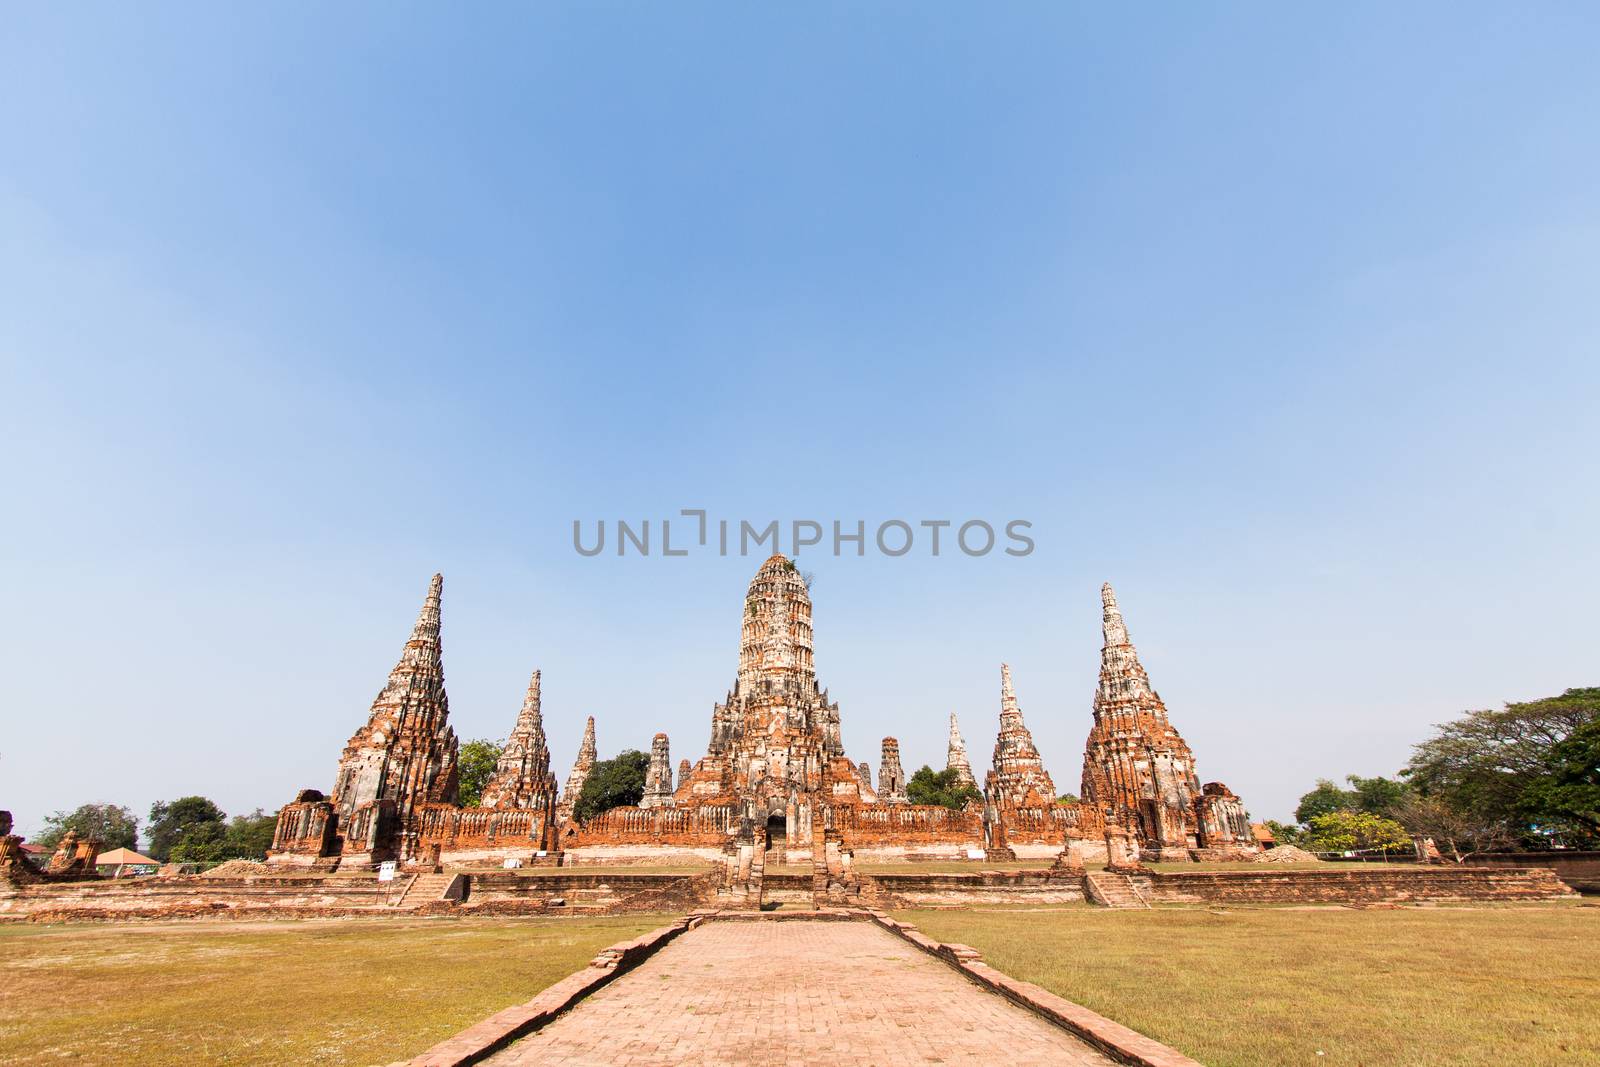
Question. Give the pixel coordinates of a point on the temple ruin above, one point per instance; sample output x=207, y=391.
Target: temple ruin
x=775, y=783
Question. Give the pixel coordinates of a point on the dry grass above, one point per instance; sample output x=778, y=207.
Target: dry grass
x=1463, y=987
x=324, y=991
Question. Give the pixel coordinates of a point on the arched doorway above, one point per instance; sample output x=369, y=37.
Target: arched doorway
x=777, y=834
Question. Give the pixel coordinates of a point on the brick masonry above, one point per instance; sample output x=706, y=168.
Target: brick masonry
x=798, y=992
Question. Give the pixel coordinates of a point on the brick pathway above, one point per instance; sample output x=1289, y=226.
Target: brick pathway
x=796, y=993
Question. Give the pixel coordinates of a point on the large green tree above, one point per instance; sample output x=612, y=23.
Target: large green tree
x=1375, y=796
x=113, y=826
x=1324, y=799
x=1569, y=789
x=244, y=837
x=475, y=765
x=613, y=783
x=1482, y=764
x=929, y=786
x=172, y=820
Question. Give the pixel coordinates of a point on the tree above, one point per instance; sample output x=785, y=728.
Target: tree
x=1348, y=831
x=1484, y=761
x=1286, y=833
x=1324, y=799
x=613, y=783
x=941, y=788
x=250, y=836
x=1377, y=796
x=475, y=764
x=171, y=821
x=212, y=841
x=1068, y=798
x=111, y=825
x=200, y=842
x=1569, y=790
x=1462, y=831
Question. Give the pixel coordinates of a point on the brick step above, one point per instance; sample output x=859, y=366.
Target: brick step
x=424, y=889
x=1113, y=889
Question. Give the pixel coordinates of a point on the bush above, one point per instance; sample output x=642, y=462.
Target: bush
x=613, y=783
x=475, y=766
x=928, y=786
x=1352, y=831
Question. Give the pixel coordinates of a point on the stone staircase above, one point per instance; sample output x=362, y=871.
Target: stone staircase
x=1113, y=889
x=425, y=888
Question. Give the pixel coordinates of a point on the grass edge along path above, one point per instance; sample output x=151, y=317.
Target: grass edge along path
x=1423, y=987
x=285, y=992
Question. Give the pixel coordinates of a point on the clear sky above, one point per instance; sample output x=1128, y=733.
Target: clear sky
x=1287, y=322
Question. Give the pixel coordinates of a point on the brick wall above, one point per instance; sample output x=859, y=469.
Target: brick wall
x=1357, y=886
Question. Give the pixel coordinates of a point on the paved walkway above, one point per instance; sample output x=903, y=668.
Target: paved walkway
x=796, y=993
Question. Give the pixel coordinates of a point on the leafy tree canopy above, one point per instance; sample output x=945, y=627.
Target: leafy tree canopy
x=613, y=783
x=246, y=837
x=475, y=764
x=1377, y=796
x=1323, y=800
x=1569, y=789
x=1286, y=833
x=171, y=820
x=113, y=826
x=1483, y=762
x=1068, y=798
x=929, y=786
x=1345, y=831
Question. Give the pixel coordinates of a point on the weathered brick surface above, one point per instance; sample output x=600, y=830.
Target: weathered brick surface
x=796, y=993
x=1138, y=769
x=1355, y=886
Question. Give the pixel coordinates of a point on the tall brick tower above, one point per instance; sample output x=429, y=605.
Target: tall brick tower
x=405, y=755
x=775, y=747
x=1136, y=767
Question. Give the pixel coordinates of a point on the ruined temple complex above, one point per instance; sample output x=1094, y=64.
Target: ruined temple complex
x=775, y=777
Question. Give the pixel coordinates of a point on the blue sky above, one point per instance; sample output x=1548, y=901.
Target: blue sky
x=1284, y=322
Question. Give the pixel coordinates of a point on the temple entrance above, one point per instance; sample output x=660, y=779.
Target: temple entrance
x=777, y=833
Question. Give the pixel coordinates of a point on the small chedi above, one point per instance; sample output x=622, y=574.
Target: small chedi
x=775, y=777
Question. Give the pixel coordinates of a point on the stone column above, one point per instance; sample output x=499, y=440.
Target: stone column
x=658, y=779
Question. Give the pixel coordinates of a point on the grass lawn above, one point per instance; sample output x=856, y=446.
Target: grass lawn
x=351, y=991
x=1418, y=987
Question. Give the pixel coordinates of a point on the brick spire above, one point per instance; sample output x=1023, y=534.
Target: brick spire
x=522, y=777
x=956, y=756
x=891, y=779
x=406, y=752
x=1122, y=677
x=776, y=594
x=1136, y=767
x=1016, y=766
x=587, y=757
x=658, y=777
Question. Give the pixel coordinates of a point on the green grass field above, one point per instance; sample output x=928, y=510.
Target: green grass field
x=352, y=991
x=1415, y=987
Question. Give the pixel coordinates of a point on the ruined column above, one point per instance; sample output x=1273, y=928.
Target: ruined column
x=956, y=757
x=587, y=757
x=891, y=779
x=658, y=778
